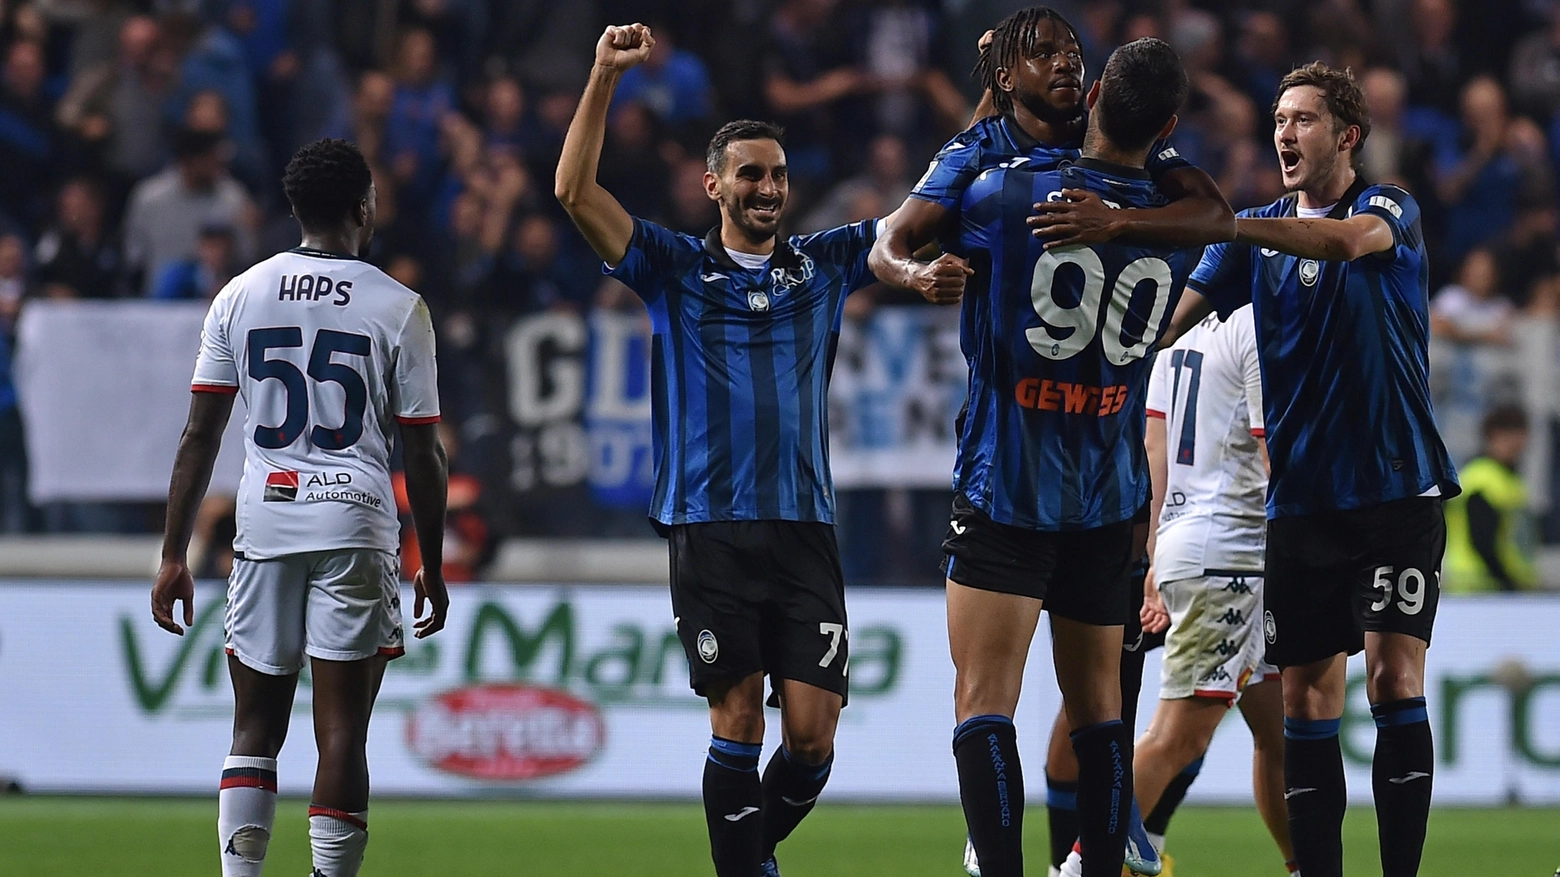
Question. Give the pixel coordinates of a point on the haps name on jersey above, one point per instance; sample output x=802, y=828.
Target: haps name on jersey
x=319, y=487
x=313, y=287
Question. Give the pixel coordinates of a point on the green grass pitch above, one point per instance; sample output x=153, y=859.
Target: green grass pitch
x=131, y=837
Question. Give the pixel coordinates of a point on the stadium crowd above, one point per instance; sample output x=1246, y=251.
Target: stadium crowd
x=143, y=141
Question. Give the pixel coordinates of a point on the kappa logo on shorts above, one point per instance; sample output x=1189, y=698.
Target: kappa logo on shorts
x=709, y=649
x=1225, y=648
x=1269, y=627
x=1232, y=616
x=281, y=487
x=1237, y=585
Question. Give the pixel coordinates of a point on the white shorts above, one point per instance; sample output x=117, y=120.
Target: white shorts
x=1214, y=646
x=342, y=605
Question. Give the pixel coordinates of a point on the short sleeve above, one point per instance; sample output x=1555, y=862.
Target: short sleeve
x=952, y=170
x=216, y=370
x=1223, y=276
x=845, y=247
x=1157, y=404
x=416, y=377
x=1245, y=337
x=653, y=253
x=1163, y=158
x=1394, y=205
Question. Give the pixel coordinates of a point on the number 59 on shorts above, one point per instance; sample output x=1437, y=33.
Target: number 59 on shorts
x=1408, y=587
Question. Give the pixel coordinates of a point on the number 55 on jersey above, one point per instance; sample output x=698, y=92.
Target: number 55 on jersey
x=325, y=378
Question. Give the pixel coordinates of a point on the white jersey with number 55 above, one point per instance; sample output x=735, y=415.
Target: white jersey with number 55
x=328, y=352
x=1208, y=389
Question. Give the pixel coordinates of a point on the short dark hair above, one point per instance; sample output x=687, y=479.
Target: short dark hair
x=1342, y=95
x=325, y=181
x=1143, y=86
x=1505, y=418
x=741, y=129
x=1013, y=38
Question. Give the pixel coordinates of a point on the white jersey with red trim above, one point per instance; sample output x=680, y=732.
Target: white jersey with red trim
x=328, y=353
x=1208, y=389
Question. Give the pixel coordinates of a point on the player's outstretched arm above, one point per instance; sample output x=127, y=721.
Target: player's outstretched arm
x=601, y=219
x=1196, y=216
x=192, y=466
x=905, y=231
x=427, y=490
x=1326, y=240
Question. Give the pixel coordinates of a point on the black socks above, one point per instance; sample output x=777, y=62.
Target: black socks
x=991, y=788
x=1061, y=810
x=1315, y=793
x=1104, y=753
x=1401, y=776
x=790, y=791
x=733, y=803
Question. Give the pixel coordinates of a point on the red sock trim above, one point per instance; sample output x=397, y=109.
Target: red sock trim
x=344, y=816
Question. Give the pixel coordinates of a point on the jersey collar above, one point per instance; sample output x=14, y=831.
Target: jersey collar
x=784, y=256
x=1341, y=209
x=324, y=254
x=1115, y=170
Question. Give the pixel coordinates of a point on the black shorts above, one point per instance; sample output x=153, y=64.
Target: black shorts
x=753, y=596
x=1082, y=575
x=1333, y=576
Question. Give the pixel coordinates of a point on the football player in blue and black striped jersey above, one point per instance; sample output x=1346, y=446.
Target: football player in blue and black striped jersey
x=745, y=327
x=1337, y=275
x=1051, y=469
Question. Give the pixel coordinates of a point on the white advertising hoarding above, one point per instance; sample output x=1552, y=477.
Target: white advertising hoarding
x=582, y=692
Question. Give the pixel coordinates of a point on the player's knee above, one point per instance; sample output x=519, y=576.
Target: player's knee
x=811, y=747
x=736, y=719
x=1394, y=680
x=249, y=843
x=262, y=741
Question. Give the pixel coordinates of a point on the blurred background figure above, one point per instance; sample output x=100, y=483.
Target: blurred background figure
x=1489, y=531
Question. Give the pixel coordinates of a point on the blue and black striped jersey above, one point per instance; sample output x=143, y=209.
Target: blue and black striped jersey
x=996, y=139
x=1345, y=362
x=740, y=364
x=1058, y=343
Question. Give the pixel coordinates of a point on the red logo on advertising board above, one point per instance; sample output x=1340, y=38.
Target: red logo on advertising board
x=506, y=732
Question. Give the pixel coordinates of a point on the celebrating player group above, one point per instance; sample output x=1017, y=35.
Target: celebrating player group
x=1263, y=497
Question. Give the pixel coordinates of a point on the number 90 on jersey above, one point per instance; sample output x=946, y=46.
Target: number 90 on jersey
x=1066, y=330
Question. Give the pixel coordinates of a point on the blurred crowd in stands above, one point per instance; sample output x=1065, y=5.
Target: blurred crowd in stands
x=141, y=143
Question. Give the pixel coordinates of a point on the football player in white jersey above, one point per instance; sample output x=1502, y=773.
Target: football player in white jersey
x=1209, y=465
x=331, y=356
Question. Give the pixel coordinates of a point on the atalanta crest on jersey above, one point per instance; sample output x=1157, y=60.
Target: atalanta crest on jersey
x=1310, y=269
x=281, y=487
x=758, y=301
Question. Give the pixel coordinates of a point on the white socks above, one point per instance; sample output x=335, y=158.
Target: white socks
x=338, y=839
x=246, y=810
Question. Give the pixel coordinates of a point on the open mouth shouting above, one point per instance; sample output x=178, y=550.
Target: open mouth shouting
x=1289, y=159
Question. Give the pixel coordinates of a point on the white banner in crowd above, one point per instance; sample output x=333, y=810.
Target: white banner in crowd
x=105, y=391
x=582, y=692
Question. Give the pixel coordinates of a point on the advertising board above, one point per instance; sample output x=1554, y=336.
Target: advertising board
x=581, y=691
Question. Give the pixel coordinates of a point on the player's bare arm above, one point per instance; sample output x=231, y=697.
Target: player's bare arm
x=601, y=219
x=1326, y=240
x=427, y=489
x=1192, y=309
x=1197, y=215
x=1153, y=615
x=907, y=230
x=192, y=465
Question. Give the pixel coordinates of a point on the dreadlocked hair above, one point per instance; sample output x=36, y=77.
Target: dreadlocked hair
x=1013, y=39
x=325, y=181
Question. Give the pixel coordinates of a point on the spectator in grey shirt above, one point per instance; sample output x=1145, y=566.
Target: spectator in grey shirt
x=167, y=211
